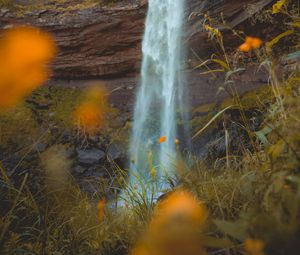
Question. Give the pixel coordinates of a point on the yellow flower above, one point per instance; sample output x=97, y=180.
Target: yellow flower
x=212, y=31
x=277, y=7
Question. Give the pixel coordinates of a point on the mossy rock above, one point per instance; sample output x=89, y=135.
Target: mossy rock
x=257, y=99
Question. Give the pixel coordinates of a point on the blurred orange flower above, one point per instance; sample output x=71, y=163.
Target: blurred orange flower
x=174, y=229
x=162, y=139
x=245, y=47
x=254, y=247
x=25, y=53
x=141, y=249
x=180, y=203
x=251, y=43
x=90, y=114
x=255, y=43
x=101, y=208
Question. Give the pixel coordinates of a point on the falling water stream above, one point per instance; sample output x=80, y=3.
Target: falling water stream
x=160, y=98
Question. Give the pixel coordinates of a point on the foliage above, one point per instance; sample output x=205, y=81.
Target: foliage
x=25, y=54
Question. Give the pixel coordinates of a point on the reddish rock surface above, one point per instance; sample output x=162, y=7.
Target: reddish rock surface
x=104, y=43
x=93, y=42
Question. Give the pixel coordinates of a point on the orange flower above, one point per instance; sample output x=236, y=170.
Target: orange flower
x=89, y=117
x=140, y=249
x=254, y=247
x=245, y=47
x=162, y=139
x=90, y=114
x=255, y=43
x=25, y=53
x=251, y=43
x=181, y=203
x=101, y=208
x=175, y=227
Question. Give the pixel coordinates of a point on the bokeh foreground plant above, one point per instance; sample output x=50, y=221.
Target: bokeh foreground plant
x=175, y=227
x=25, y=54
x=89, y=115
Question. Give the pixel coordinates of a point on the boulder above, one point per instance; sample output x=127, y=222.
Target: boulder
x=90, y=156
x=114, y=152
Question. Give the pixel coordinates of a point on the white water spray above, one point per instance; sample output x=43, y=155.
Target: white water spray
x=159, y=103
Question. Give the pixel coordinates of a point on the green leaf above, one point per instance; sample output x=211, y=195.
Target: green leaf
x=293, y=55
x=270, y=44
x=261, y=135
x=277, y=7
x=221, y=63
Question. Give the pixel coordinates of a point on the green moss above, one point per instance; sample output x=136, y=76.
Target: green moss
x=202, y=109
x=23, y=125
x=257, y=98
x=59, y=105
x=18, y=127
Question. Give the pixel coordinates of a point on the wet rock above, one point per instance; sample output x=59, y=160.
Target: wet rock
x=90, y=157
x=96, y=171
x=79, y=169
x=212, y=144
x=66, y=137
x=114, y=152
x=117, y=155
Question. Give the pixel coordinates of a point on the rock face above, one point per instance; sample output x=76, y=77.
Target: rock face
x=234, y=12
x=93, y=42
x=105, y=43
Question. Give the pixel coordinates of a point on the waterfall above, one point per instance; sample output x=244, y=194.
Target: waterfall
x=160, y=99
